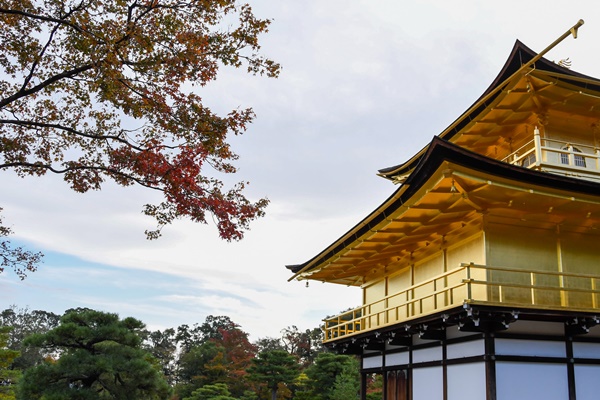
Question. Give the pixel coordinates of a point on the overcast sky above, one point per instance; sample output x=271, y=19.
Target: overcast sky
x=365, y=85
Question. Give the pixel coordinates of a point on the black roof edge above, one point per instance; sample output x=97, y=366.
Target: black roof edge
x=440, y=150
x=519, y=55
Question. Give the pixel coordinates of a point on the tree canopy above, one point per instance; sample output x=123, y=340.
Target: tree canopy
x=100, y=356
x=87, y=354
x=21, y=261
x=331, y=374
x=272, y=368
x=8, y=377
x=306, y=345
x=23, y=323
x=217, y=351
x=100, y=90
x=218, y=391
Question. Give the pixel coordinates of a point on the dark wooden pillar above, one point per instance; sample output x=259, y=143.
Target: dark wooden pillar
x=402, y=387
x=490, y=366
x=391, y=386
x=384, y=378
x=570, y=366
x=444, y=368
x=363, y=386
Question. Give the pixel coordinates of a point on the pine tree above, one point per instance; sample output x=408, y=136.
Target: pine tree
x=100, y=356
x=272, y=368
x=8, y=377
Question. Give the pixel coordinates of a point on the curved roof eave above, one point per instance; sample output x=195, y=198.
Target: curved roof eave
x=438, y=151
x=519, y=55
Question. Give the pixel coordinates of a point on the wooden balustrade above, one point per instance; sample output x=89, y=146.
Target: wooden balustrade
x=559, y=157
x=471, y=284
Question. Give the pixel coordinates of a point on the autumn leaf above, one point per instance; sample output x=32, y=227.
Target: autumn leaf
x=98, y=90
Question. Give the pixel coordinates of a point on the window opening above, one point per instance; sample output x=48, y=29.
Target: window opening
x=578, y=159
x=528, y=160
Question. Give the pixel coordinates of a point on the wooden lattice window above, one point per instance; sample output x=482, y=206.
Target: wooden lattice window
x=579, y=160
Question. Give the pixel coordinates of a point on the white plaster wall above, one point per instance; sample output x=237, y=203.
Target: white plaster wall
x=372, y=362
x=427, y=354
x=428, y=383
x=397, y=359
x=466, y=381
x=586, y=381
x=534, y=348
x=531, y=381
x=465, y=349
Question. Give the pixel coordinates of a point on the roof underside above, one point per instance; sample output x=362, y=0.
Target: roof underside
x=446, y=200
x=455, y=184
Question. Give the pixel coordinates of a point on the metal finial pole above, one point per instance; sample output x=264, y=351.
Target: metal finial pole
x=571, y=31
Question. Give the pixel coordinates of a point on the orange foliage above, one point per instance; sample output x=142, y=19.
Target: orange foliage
x=105, y=89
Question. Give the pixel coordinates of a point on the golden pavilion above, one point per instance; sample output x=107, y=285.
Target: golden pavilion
x=480, y=274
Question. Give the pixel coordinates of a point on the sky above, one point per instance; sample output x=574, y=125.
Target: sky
x=364, y=86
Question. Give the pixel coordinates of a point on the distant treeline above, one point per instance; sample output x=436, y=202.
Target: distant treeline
x=89, y=354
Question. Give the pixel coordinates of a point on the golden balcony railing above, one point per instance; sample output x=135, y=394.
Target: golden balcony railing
x=471, y=284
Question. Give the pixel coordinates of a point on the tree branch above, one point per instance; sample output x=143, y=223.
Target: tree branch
x=35, y=124
x=36, y=61
x=41, y=18
x=48, y=167
x=65, y=74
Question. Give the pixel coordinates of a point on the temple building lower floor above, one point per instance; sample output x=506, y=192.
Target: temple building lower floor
x=479, y=353
x=479, y=273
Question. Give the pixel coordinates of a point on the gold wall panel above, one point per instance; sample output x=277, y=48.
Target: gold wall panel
x=469, y=251
x=523, y=249
x=579, y=255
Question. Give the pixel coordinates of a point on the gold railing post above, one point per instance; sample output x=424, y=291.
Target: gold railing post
x=386, y=304
x=532, y=280
x=363, y=318
x=594, y=295
x=435, y=295
x=469, y=291
x=537, y=145
x=561, y=277
x=412, y=303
